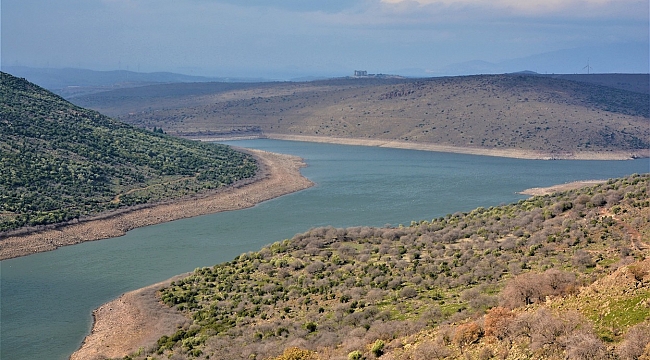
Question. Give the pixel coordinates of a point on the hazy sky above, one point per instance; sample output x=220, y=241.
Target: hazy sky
x=303, y=37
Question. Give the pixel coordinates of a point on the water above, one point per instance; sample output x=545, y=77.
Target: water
x=47, y=298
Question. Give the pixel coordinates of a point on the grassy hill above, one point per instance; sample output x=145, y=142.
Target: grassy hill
x=548, y=115
x=558, y=276
x=59, y=162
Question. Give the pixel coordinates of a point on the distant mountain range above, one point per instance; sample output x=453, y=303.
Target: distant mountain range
x=71, y=82
x=615, y=58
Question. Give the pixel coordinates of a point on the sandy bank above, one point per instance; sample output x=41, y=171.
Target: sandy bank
x=135, y=320
x=509, y=153
x=280, y=175
x=561, y=187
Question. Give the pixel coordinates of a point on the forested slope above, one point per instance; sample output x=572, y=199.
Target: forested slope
x=556, y=276
x=59, y=162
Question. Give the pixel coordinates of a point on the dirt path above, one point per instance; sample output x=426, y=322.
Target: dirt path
x=118, y=197
x=281, y=175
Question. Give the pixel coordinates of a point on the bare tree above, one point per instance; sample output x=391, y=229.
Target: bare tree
x=430, y=349
x=467, y=334
x=636, y=343
x=498, y=322
x=521, y=290
x=584, y=346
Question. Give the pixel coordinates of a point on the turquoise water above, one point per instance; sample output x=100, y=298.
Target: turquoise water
x=47, y=298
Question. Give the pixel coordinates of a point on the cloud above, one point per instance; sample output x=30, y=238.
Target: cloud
x=330, y=6
x=570, y=8
x=379, y=35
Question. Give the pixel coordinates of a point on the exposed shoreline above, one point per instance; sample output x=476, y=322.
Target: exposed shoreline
x=509, y=153
x=561, y=187
x=396, y=144
x=137, y=319
x=279, y=175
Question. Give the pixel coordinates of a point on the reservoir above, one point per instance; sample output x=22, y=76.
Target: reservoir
x=47, y=298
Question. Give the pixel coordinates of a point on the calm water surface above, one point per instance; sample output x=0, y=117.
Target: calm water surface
x=47, y=298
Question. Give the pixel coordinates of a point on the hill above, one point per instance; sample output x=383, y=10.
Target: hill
x=536, y=279
x=538, y=116
x=60, y=163
x=629, y=82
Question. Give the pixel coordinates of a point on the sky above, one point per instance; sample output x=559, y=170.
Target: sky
x=292, y=38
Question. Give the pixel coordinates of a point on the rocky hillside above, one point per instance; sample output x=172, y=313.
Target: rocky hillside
x=60, y=162
x=547, y=115
x=554, y=277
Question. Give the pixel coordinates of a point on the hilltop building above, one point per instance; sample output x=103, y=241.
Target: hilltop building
x=364, y=74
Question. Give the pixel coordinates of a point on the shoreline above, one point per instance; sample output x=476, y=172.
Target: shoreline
x=133, y=321
x=118, y=326
x=509, y=153
x=396, y=144
x=279, y=175
x=560, y=187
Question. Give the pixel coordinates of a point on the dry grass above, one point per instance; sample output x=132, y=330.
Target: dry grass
x=556, y=117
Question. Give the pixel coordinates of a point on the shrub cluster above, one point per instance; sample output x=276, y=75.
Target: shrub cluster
x=343, y=291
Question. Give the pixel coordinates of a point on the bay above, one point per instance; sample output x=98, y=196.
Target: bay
x=46, y=299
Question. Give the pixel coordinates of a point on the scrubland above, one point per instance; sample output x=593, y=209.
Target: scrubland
x=557, y=276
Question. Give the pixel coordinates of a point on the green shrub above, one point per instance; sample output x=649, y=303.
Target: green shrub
x=356, y=355
x=377, y=348
x=310, y=326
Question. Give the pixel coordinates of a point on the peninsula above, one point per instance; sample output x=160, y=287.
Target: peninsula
x=279, y=174
x=69, y=175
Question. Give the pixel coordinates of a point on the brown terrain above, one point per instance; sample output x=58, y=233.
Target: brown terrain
x=280, y=174
x=579, y=117
x=135, y=319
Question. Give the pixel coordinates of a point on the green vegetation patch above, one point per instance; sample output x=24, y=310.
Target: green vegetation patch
x=59, y=162
x=613, y=311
